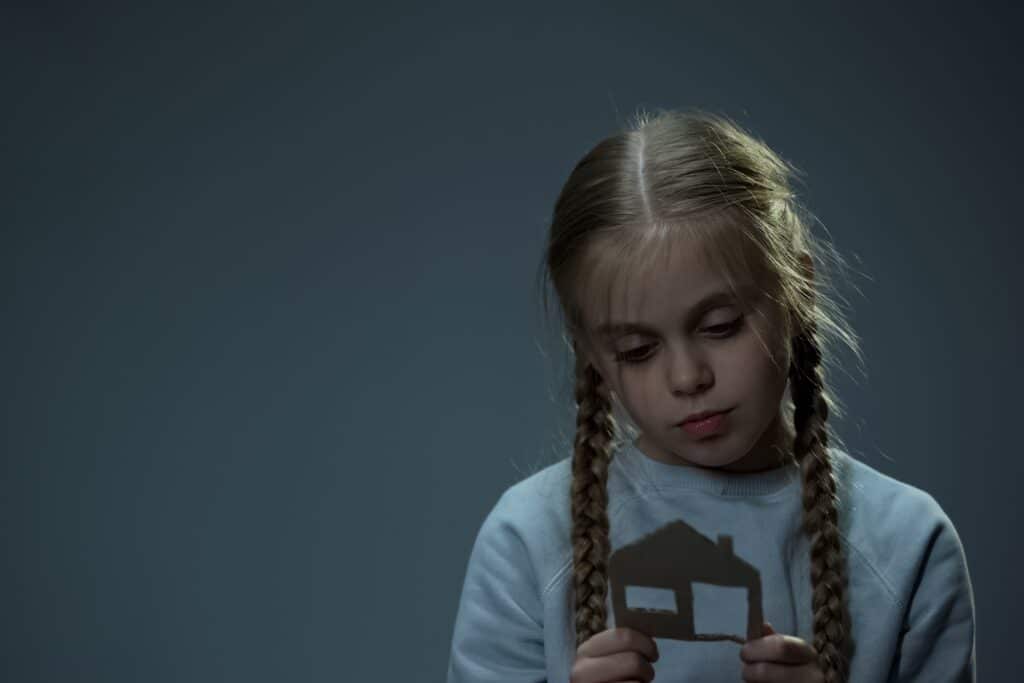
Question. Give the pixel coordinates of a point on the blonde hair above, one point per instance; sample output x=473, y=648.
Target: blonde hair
x=695, y=173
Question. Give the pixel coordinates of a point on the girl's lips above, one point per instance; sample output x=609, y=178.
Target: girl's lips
x=709, y=425
x=702, y=417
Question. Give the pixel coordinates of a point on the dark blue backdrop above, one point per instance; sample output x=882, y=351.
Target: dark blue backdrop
x=270, y=339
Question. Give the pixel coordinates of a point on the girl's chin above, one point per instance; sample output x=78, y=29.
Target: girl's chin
x=709, y=452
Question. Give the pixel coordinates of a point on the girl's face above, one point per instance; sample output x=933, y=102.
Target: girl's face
x=668, y=348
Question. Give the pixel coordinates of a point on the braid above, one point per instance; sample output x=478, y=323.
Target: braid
x=595, y=429
x=820, y=521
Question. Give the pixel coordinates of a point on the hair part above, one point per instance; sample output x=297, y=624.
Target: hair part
x=692, y=174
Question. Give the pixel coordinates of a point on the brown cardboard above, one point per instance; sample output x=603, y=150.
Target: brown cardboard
x=673, y=557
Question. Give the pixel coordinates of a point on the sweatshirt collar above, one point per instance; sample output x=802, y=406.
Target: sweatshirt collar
x=665, y=476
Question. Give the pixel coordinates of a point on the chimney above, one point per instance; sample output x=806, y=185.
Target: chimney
x=725, y=543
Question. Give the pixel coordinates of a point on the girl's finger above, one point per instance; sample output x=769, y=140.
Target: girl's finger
x=778, y=648
x=766, y=672
x=620, y=639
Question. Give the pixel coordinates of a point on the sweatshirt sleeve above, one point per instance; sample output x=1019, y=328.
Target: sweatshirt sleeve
x=937, y=639
x=498, y=634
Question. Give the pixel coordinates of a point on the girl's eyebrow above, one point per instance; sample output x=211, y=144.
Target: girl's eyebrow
x=716, y=298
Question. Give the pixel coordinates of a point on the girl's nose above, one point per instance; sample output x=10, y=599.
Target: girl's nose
x=688, y=373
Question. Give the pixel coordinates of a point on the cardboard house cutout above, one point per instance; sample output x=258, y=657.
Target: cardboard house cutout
x=673, y=558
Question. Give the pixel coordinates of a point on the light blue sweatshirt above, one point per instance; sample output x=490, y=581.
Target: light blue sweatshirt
x=909, y=592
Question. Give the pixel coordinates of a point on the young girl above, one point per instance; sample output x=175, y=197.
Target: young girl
x=686, y=275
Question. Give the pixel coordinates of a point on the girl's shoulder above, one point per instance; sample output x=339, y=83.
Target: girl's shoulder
x=871, y=496
x=526, y=529
x=538, y=503
x=897, y=529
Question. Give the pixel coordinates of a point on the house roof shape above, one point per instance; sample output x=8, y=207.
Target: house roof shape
x=673, y=558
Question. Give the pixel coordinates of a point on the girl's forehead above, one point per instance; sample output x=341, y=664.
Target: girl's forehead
x=682, y=269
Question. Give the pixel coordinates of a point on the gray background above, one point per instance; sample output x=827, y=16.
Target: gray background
x=272, y=347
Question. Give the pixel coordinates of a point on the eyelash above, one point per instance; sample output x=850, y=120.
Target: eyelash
x=728, y=330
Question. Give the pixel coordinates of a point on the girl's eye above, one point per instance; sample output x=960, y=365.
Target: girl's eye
x=719, y=331
x=725, y=329
x=631, y=355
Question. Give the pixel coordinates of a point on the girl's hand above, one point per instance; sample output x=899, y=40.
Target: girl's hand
x=776, y=658
x=617, y=654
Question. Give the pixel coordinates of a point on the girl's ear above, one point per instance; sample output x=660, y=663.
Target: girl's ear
x=585, y=354
x=589, y=357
